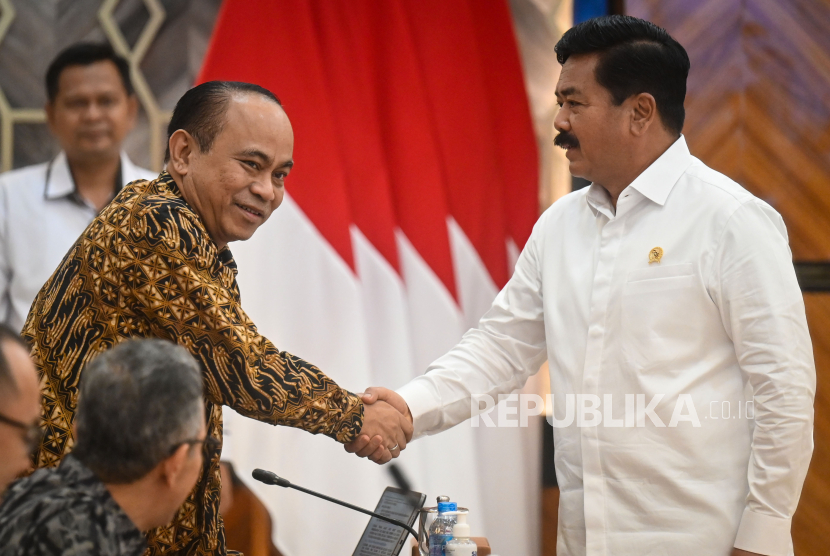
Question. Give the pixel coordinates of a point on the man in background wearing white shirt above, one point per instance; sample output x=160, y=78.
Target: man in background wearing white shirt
x=44, y=208
x=666, y=291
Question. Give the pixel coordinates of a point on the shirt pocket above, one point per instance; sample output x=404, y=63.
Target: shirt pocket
x=659, y=321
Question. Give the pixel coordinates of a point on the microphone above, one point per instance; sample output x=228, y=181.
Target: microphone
x=270, y=478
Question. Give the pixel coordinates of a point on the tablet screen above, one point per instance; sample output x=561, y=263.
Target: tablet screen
x=382, y=538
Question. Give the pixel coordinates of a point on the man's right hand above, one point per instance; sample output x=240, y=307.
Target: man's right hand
x=379, y=393
x=385, y=431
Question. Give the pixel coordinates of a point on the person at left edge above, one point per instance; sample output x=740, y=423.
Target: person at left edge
x=91, y=108
x=19, y=407
x=156, y=263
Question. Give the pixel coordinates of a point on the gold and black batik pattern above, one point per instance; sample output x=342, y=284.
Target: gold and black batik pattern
x=146, y=267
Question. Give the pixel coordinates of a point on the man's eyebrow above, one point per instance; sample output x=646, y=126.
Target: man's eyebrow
x=256, y=153
x=264, y=158
x=567, y=92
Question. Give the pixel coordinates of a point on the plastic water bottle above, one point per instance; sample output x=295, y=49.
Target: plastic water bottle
x=441, y=529
x=461, y=544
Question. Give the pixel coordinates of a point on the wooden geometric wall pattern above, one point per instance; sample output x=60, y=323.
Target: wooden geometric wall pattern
x=10, y=116
x=758, y=110
x=135, y=55
x=758, y=102
x=164, y=41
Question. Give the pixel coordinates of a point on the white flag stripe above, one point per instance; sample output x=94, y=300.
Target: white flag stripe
x=372, y=328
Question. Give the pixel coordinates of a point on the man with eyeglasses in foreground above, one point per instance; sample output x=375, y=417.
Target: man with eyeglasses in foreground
x=140, y=430
x=19, y=407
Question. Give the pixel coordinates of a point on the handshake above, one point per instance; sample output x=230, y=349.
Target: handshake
x=387, y=426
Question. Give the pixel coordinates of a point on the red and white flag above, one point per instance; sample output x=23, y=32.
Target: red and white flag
x=414, y=188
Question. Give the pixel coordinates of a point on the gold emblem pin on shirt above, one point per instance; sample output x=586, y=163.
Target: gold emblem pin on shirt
x=655, y=255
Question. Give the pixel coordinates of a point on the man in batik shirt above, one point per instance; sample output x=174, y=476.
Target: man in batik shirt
x=155, y=262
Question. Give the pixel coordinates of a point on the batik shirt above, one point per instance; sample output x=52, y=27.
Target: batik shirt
x=146, y=267
x=65, y=511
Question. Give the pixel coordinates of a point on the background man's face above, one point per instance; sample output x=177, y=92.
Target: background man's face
x=23, y=406
x=240, y=181
x=592, y=129
x=91, y=113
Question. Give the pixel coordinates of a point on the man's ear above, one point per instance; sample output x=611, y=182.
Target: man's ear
x=173, y=465
x=643, y=113
x=132, y=110
x=50, y=115
x=182, y=147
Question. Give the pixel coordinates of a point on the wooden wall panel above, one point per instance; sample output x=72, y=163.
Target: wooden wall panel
x=811, y=526
x=758, y=103
x=758, y=110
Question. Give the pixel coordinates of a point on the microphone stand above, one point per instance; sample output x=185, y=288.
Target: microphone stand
x=270, y=478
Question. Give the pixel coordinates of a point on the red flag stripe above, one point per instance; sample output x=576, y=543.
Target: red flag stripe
x=515, y=139
x=274, y=44
x=451, y=63
x=352, y=96
x=404, y=112
x=408, y=135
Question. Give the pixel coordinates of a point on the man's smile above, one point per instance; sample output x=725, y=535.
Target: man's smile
x=249, y=210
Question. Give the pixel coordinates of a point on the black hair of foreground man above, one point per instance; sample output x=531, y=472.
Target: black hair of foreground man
x=201, y=110
x=635, y=56
x=138, y=402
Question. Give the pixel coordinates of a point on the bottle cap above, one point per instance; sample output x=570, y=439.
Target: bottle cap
x=443, y=498
x=461, y=530
x=444, y=507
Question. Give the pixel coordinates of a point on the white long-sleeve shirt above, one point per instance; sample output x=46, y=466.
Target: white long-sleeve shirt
x=41, y=216
x=717, y=322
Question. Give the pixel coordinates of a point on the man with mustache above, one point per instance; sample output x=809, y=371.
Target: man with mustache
x=156, y=263
x=664, y=298
x=43, y=208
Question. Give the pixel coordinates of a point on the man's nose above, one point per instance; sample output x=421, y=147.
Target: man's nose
x=264, y=189
x=561, y=122
x=93, y=111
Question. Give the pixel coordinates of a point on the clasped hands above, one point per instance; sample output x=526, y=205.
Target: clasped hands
x=387, y=426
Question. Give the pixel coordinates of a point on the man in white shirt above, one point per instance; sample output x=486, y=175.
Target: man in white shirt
x=664, y=297
x=44, y=208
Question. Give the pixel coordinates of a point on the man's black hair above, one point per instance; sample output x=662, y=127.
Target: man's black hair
x=7, y=382
x=201, y=110
x=635, y=56
x=138, y=402
x=85, y=54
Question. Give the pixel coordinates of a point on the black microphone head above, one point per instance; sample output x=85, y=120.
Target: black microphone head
x=269, y=478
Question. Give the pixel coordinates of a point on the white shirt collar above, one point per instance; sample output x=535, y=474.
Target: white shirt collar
x=655, y=183
x=59, y=182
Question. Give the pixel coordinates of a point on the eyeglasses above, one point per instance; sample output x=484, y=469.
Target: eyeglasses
x=208, y=441
x=33, y=432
